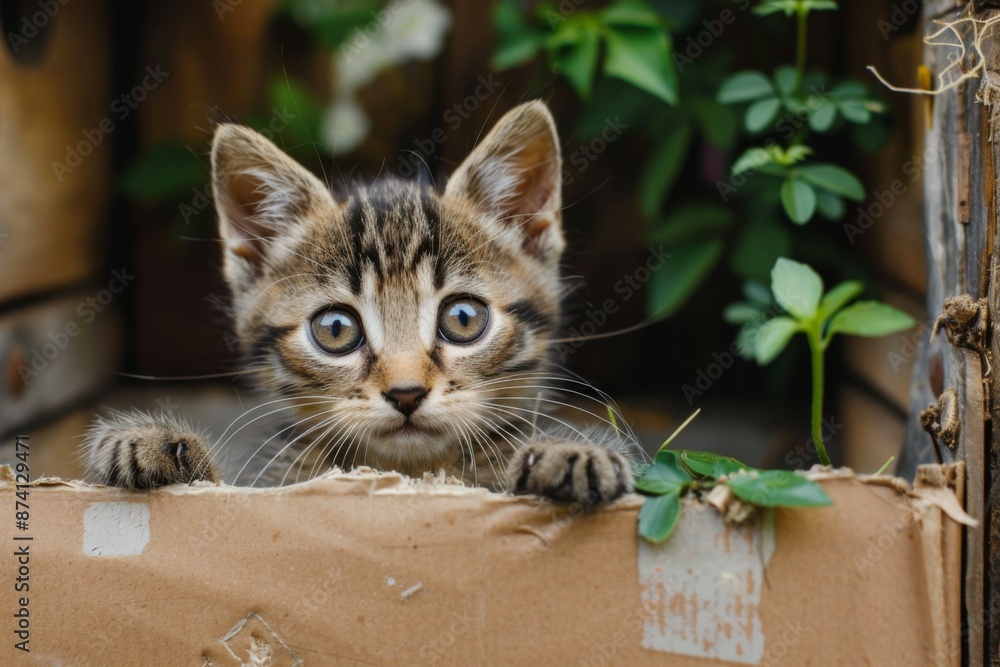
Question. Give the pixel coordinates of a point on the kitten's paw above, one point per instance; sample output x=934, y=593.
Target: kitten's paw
x=570, y=472
x=141, y=451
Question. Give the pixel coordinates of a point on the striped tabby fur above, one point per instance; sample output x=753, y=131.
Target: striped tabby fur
x=395, y=255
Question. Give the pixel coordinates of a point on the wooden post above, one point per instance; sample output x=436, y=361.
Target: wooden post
x=960, y=213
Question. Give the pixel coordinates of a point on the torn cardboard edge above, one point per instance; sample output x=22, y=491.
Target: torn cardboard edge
x=375, y=567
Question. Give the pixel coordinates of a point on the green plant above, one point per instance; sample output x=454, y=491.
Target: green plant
x=805, y=189
x=628, y=39
x=686, y=103
x=676, y=473
x=799, y=291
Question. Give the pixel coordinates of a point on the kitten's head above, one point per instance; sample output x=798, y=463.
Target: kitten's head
x=403, y=321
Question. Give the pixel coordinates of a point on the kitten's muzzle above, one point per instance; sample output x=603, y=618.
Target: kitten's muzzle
x=406, y=399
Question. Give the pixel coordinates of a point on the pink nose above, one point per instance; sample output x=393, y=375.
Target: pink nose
x=406, y=399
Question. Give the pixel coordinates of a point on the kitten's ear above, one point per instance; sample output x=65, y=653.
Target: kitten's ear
x=261, y=195
x=514, y=176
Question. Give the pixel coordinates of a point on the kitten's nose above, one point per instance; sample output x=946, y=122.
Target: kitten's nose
x=406, y=399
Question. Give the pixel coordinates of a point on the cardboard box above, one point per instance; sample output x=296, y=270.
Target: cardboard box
x=375, y=569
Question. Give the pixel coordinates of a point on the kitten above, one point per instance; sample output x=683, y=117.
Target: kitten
x=411, y=326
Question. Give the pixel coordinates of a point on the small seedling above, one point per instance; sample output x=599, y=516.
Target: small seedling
x=675, y=473
x=799, y=290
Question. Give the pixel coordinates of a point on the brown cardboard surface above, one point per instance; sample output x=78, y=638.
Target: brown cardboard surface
x=374, y=569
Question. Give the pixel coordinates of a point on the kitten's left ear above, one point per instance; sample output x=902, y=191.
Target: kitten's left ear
x=514, y=175
x=261, y=196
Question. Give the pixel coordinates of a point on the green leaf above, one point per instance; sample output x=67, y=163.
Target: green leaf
x=829, y=205
x=745, y=87
x=833, y=179
x=642, y=57
x=772, y=337
x=819, y=5
x=798, y=199
x=746, y=341
x=665, y=475
x=850, y=89
x=680, y=276
x=707, y=464
x=761, y=113
x=515, y=51
x=758, y=293
x=838, y=297
x=693, y=220
x=168, y=169
x=785, y=79
x=630, y=14
x=758, y=247
x=796, y=287
x=740, y=313
x=578, y=61
x=662, y=169
x=658, y=516
x=775, y=6
x=517, y=42
x=795, y=154
x=778, y=488
x=821, y=118
x=752, y=160
x=855, y=111
x=870, y=319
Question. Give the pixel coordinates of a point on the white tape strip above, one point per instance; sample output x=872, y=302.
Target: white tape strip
x=115, y=529
x=702, y=587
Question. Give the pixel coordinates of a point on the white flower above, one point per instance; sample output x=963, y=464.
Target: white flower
x=402, y=30
x=345, y=125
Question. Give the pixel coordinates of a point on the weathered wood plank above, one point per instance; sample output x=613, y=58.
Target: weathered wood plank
x=961, y=225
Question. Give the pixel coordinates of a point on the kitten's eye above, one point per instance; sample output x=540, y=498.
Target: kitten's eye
x=463, y=320
x=336, y=330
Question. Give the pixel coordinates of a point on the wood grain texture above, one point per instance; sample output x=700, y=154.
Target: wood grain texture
x=51, y=218
x=961, y=218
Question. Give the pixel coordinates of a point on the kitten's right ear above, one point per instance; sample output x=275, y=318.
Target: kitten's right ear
x=261, y=196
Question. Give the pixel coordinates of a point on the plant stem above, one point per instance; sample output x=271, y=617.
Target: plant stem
x=800, y=51
x=816, y=349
